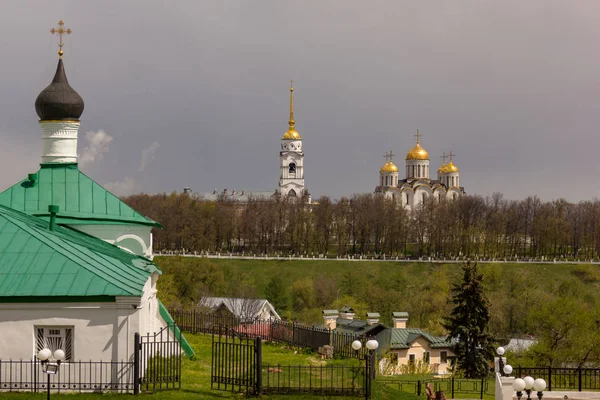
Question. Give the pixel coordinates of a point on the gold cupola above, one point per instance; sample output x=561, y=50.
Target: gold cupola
x=389, y=167
x=291, y=133
x=417, y=152
x=451, y=167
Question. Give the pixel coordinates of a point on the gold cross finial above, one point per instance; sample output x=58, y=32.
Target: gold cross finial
x=451, y=155
x=60, y=31
x=418, y=135
x=443, y=157
x=391, y=155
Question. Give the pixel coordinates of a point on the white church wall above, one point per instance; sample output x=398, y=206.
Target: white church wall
x=101, y=331
x=135, y=238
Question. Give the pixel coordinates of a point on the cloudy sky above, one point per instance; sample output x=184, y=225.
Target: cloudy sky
x=195, y=93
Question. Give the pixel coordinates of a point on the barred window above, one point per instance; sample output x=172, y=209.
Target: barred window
x=54, y=338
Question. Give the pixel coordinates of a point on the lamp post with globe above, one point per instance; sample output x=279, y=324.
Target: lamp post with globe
x=527, y=384
x=371, y=345
x=50, y=362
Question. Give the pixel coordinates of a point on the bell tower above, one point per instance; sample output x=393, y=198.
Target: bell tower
x=291, y=158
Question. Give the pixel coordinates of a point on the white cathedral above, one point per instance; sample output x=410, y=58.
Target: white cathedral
x=417, y=187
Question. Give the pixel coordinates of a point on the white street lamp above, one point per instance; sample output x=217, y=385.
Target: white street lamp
x=50, y=362
x=356, y=345
x=507, y=369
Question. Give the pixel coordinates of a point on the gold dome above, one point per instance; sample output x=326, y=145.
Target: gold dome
x=417, y=153
x=389, y=167
x=448, y=168
x=292, y=134
x=451, y=167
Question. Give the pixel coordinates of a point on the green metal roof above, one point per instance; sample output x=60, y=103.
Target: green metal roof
x=81, y=200
x=37, y=262
x=403, y=337
x=400, y=314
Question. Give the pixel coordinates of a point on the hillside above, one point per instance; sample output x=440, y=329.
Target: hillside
x=301, y=289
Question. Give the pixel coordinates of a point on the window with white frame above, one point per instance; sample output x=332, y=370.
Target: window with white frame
x=54, y=338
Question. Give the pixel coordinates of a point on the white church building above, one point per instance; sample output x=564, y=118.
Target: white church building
x=75, y=267
x=417, y=186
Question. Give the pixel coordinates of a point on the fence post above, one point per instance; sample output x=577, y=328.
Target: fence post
x=136, y=363
x=482, y=383
x=258, y=364
x=452, y=386
x=579, y=370
x=419, y=387
x=550, y=378
x=367, y=377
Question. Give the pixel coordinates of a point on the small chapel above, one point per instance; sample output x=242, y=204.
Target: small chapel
x=75, y=261
x=417, y=186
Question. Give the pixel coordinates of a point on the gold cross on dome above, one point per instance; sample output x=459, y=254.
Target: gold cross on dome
x=387, y=156
x=391, y=155
x=451, y=155
x=60, y=31
x=417, y=135
x=443, y=157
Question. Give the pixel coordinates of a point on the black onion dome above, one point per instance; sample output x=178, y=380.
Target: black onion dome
x=59, y=100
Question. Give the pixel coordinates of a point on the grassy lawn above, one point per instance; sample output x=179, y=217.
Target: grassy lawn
x=196, y=378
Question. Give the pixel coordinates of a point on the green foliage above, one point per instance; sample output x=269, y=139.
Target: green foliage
x=468, y=324
x=276, y=293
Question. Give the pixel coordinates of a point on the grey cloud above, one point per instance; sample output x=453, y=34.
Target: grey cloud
x=511, y=87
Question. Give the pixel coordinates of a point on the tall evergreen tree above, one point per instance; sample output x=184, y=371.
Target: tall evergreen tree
x=468, y=324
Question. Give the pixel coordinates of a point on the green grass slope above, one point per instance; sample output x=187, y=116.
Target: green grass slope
x=196, y=378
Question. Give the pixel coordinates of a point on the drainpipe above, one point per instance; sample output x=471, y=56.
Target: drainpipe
x=53, y=210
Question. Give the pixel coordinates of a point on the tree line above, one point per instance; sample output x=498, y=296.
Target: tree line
x=370, y=224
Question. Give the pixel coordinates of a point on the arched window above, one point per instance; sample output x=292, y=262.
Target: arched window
x=455, y=196
x=292, y=193
x=382, y=181
x=424, y=196
x=292, y=168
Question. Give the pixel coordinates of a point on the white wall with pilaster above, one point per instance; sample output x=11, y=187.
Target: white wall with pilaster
x=417, y=169
x=101, y=330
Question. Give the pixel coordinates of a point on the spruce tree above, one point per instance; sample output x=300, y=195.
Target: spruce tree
x=468, y=324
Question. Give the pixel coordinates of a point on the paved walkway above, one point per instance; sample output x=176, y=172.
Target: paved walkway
x=570, y=395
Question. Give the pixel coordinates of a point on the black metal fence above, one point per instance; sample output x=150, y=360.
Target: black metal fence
x=450, y=386
x=290, y=333
x=563, y=378
x=156, y=364
x=323, y=380
x=72, y=376
x=237, y=366
x=158, y=359
x=235, y=362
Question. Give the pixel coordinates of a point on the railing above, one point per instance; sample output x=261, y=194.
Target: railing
x=323, y=380
x=451, y=386
x=564, y=378
x=290, y=333
x=72, y=376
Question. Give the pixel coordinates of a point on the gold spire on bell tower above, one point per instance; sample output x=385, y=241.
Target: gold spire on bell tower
x=291, y=121
x=60, y=31
x=291, y=133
